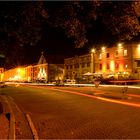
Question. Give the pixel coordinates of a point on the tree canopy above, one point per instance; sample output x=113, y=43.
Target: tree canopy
x=22, y=23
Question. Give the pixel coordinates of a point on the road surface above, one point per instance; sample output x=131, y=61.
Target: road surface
x=66, y=113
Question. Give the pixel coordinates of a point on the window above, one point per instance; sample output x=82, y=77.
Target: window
x=83, y=64
x=125, y=66
x=70, y=66
x=108, y=66
x=76, y=66
x=88, y=64
x=125, y=53
x=100, y=66
x=107, y=55
x=117, y=53
x=138, y=63
x=66, y=66
x=116, y=65
x=100, y=56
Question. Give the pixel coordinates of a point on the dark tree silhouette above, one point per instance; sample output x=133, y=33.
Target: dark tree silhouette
x=22, y=23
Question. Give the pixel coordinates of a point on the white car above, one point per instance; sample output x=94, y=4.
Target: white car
x=70, y=81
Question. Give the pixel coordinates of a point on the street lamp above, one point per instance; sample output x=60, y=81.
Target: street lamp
x=103, y=48
x=93, y=50
x=93, y=60
x=119, y=44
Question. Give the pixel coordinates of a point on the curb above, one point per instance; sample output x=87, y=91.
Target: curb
x=10, y=116
x=33, y=129
x=12, y=127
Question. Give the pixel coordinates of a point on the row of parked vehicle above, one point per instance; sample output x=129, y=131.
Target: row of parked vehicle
x=2, y=84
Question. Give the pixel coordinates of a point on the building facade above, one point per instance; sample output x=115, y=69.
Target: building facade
x=41, y=72
x=1, y=74
x=121, y=61
x=75, y=67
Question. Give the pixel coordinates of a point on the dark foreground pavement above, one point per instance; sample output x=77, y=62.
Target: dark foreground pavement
x=82, y=126
x=4, y=127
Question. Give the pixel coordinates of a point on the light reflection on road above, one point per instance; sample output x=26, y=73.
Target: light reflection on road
x=96, y=97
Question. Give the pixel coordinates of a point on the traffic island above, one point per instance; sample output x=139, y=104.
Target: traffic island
x=117, y=96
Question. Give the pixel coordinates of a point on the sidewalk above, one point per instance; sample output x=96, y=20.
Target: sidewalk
x=4, y=127
x=4, y=122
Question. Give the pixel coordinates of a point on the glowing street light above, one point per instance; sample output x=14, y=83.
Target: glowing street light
x=93, y=50
x=119, y=45
x=103, y=48
x=93, y=60
x=139, y=46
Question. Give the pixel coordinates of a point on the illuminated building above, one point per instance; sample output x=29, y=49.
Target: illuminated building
x=1, y=74
x=75, y=67
x=121, y=61
x=41, y=72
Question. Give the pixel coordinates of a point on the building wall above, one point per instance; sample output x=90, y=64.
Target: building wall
x=1, y=74
x=40, y=72
x=113, y=60
x=16, y=74
x=136, y=60
x=75, y=67
x=56, y=72
x=121, y=61
x=34, y=73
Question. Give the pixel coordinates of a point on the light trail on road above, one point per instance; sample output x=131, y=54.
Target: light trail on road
x=138, y=96
x=95, y=97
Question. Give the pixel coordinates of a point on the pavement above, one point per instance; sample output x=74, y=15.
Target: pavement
x=4, y=127
x=7, y=123
x=5, y=120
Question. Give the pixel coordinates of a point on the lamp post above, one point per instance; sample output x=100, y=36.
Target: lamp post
x=93, y=61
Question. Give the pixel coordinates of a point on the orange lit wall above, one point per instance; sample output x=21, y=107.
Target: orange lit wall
x=112, y=65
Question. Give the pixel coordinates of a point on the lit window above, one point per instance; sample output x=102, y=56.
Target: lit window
x=125, y=53
x=116, y=65
x=126, y=66
x=100, y=56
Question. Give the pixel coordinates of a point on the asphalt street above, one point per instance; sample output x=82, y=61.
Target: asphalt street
x=76, y=112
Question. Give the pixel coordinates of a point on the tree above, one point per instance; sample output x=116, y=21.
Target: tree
x=23, y=23
x=121, y=18
x=20, y=26
x=74, y=18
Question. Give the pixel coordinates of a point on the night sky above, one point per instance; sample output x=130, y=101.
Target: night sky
x=54, y=42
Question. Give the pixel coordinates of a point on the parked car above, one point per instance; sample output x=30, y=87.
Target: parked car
x=70, y=81
x=2, y=84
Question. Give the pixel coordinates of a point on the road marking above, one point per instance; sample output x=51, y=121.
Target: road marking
x=33, y=129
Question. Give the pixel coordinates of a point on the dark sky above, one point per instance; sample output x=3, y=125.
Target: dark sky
x=54, y=42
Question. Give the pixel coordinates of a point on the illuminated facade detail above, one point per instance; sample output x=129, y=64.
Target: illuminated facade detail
x=100, y=56
x=112, y=65
x=125, y=53
x=42, y=74
x=1, y=74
